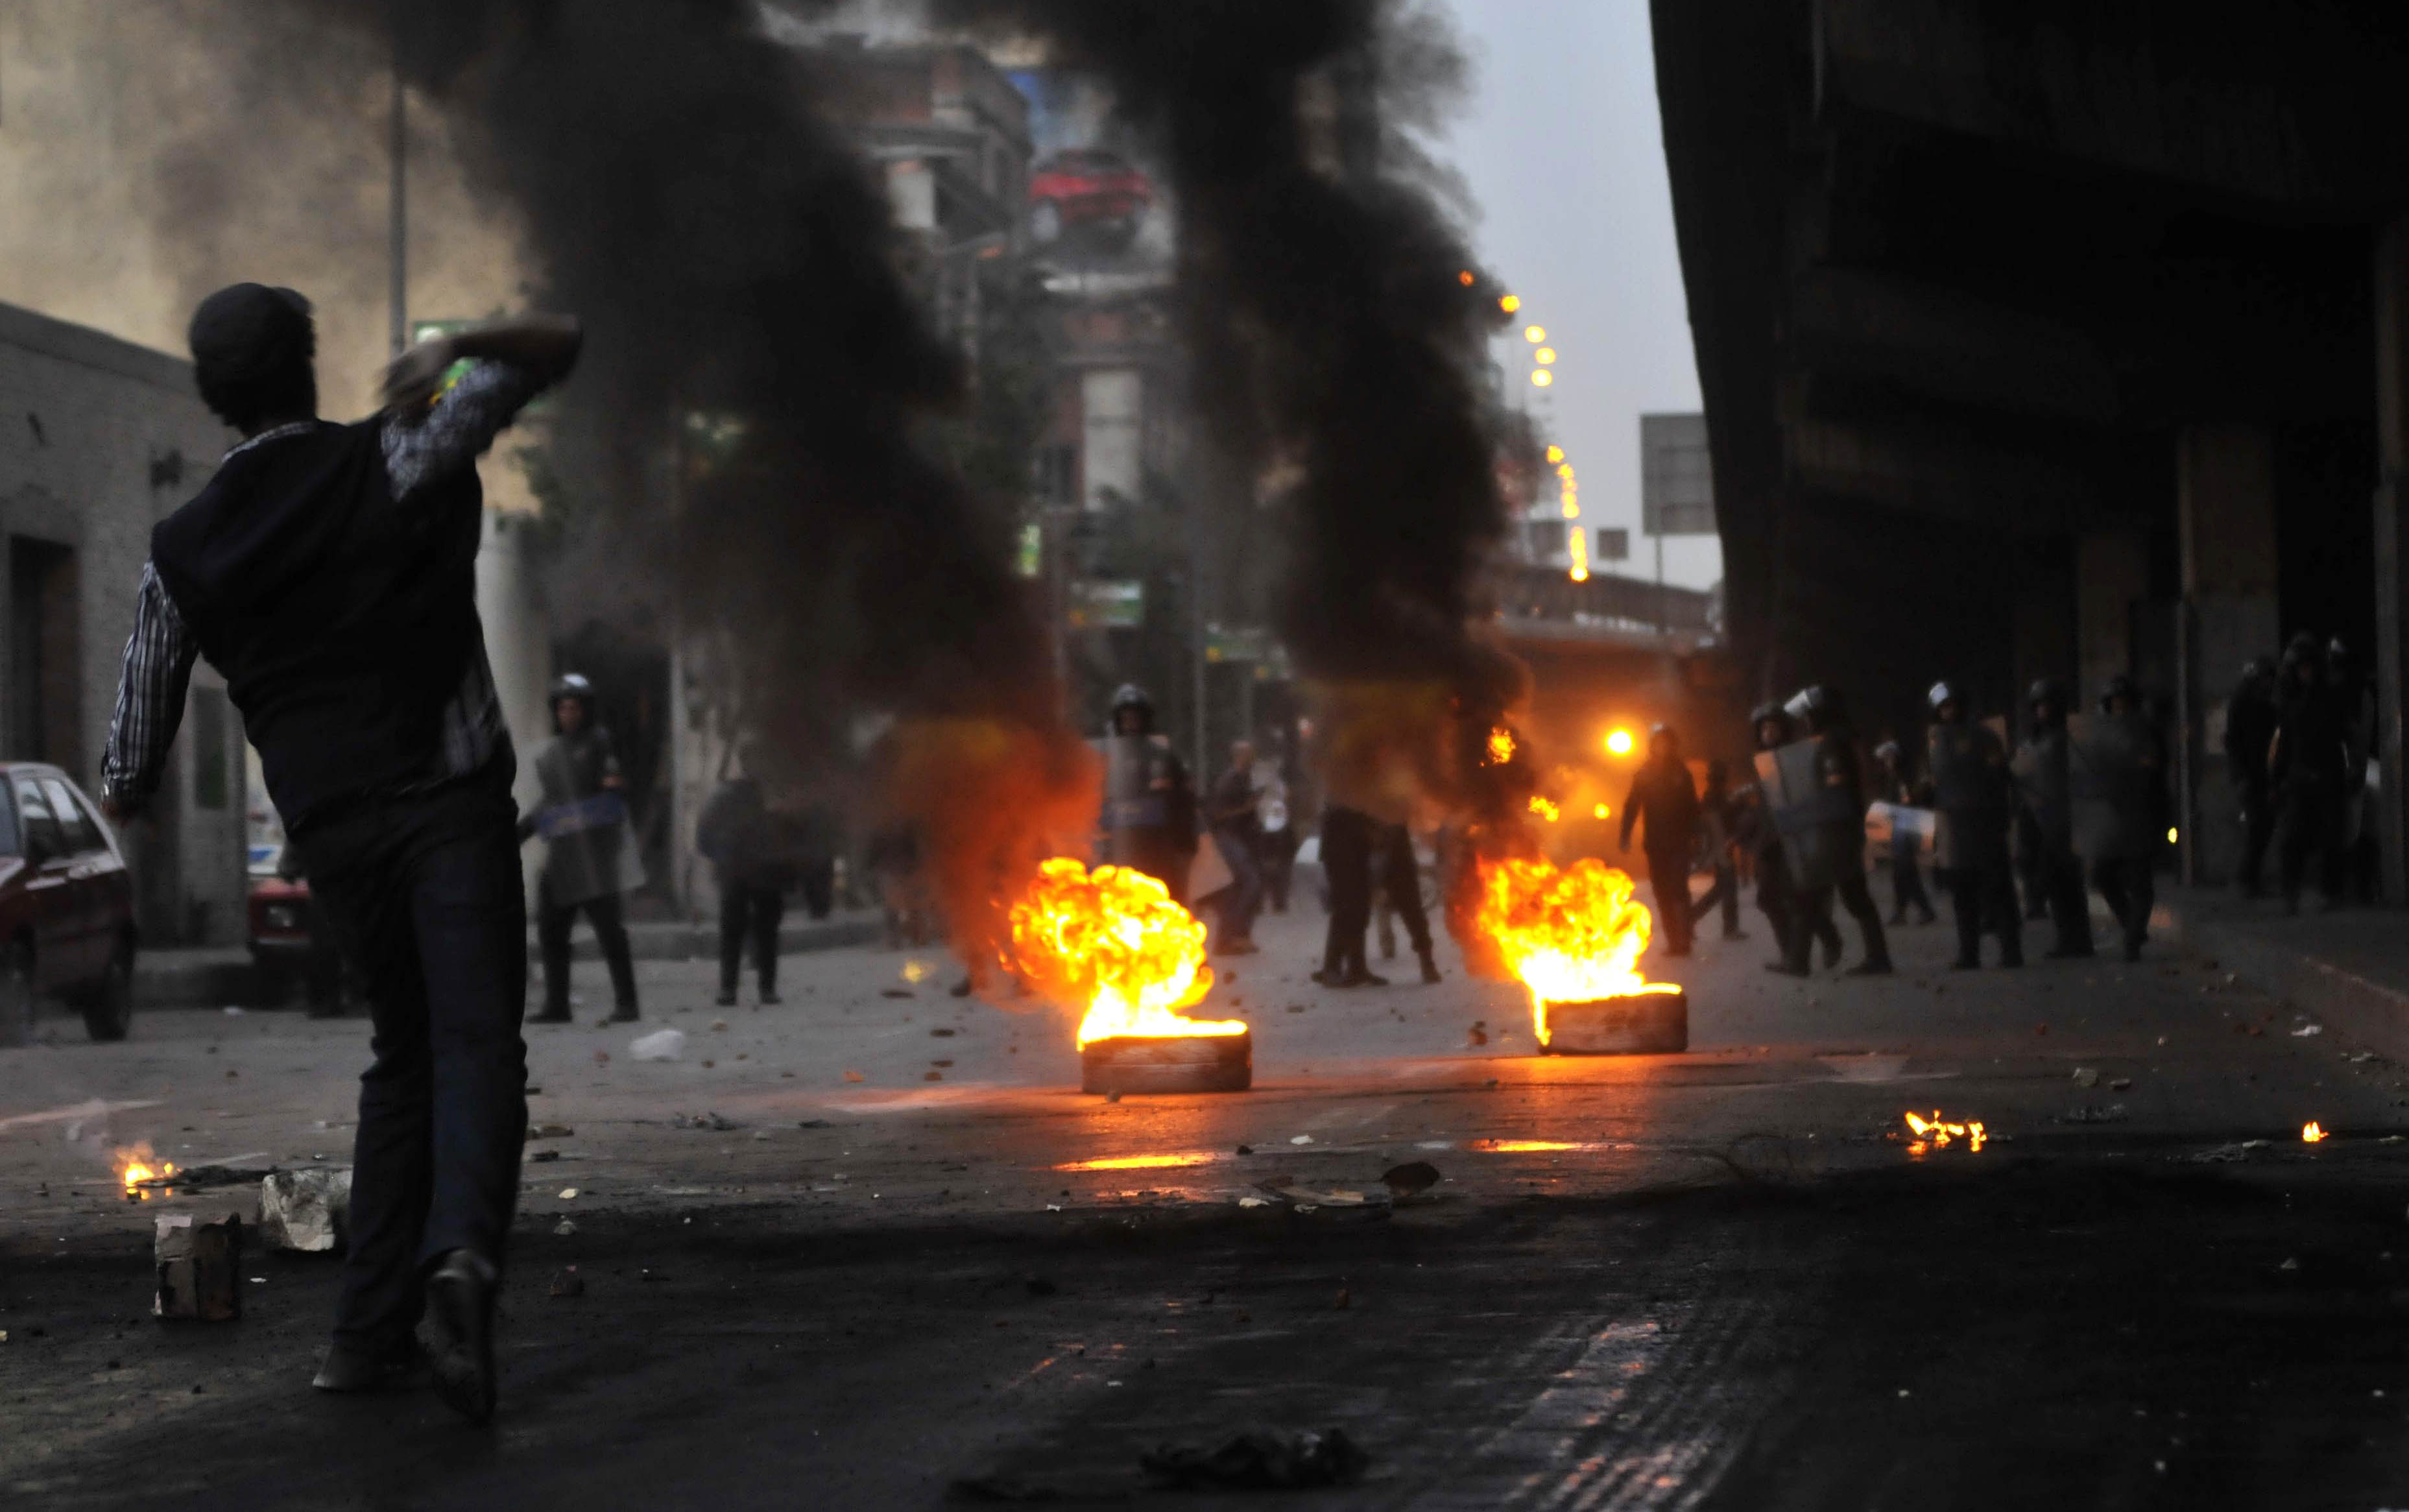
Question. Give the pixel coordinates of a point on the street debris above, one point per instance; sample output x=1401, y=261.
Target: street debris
x=2307, y=1030
x=565, y=1228
x=2092, y=1113
x=306, y=1210
x=941, y=1033
x=543, y=1157
x=662, y=1045
x=568, y=1194
x=2122, y=1083
x=1301, y=1139
x=1478, y=1034
x=2226, y=1154
x=200, y=1266
x=932, y=1076
x=894, y=992
x=566, y=1282
x=1260, y=1459
x=712, y=1121
x=2086, y=1077
x=854, y=1077
x=1410, y=1179
x=719, y=1025
x=536, y=1132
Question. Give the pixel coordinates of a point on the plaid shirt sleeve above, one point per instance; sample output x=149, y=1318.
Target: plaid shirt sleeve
x=151, y=686
x=457, y=428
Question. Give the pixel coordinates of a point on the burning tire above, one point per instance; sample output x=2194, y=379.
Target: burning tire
x=1168, y=1063
x=1635, y=1024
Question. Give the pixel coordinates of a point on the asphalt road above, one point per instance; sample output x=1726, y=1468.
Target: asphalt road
x=1717, y=1279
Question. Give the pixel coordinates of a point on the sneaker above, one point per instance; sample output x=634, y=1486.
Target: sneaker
x=1430, y=969
x=726, y=999
x=460, y=1309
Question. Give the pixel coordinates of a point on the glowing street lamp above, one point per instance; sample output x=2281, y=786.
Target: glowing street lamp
x=1509, y=303
x=1619, y=743
x=1542, y=378
x=1535, y=334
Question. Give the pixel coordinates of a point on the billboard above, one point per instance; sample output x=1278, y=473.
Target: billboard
x=1677, y=476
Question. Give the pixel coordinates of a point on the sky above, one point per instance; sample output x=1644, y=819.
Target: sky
x=1558, y=142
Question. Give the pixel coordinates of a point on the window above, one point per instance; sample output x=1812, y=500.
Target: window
x=79, y=832
x=209, y=779
x=44, y=703
x=42, y=837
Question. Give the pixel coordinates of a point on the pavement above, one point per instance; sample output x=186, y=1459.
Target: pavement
x=212, y=976
x=869, y=1248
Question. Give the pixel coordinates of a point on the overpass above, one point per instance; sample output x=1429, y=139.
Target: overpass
x=2063, y=336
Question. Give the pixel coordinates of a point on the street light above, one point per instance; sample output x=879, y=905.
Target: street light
x=1542, y=378
x=1535, y=334
x=1619, y=743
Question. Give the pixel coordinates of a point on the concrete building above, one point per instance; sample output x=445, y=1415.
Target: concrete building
x=2062, y=339
x=99, y=439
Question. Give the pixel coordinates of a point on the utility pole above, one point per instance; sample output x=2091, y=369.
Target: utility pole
x=400, y=209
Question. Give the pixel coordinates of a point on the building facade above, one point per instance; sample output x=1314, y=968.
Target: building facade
x=99, y=440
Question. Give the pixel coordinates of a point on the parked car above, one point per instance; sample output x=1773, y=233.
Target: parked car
x=1087, y=190
x=67, y=906
x=288, y=938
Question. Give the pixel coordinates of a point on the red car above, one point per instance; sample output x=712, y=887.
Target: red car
x=67, y=906
x=1087, y=190
x=288, y=939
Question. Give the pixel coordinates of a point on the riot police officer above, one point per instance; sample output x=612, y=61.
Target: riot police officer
x=1821, y=816
x=1906, y=875
x=2045, y=822
x=1969, y=797
x=1777, y=894
x=588, y=860
x=2250, y=716
x=2307, y=768
x=1149, y=819
x=2116, y=775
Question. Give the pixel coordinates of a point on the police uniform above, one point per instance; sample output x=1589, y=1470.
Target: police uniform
x=1969, y=798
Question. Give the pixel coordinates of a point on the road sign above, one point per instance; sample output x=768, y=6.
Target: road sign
x=1677, y=476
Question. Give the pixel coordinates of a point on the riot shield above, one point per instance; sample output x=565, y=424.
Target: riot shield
x=586, y=851
x=1818, y=812
x=1132, y=801
x=1969, y=787
x=2112, y=780
x=2041, y=778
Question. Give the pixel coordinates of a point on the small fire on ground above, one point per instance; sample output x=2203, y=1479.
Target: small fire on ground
x=1570, y=934
x=140, y=1172
x=1112, y=943
x=1937, y=1134
x=2312, y=1133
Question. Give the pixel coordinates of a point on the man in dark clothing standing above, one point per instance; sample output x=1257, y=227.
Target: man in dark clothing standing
x=1149, y=819
x=2116, y=771
x=329, y=573
x=2306, y=768
x=1238, y=834
x=752, y=862
x=1718, y=815
x=1346, y=838
x=1399, y=872
x=1662, y=793
x=582, y=817
x=2045, y=822
x=2250, y=717
x=1970, y=796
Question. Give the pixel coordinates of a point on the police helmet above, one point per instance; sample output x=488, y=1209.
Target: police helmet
x=2256, y=670
x=2118, y=686
x=2047, y=690
x=1130, y=695
x=1886, y=751
x=1816, y=706
x=2302, y=650
x=1941, y=693
x=2338, y=652
x=572, y=685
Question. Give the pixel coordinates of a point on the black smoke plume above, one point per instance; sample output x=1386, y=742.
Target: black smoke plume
x=753, y=417
x=1336, y=330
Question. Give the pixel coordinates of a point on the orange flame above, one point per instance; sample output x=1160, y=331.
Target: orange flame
x=1111, y=942
x=2311, y=1131
x=1501, y=746
x=1545, y=808
x=1936, y=1133
x=135, y=1167
x=1571, y=935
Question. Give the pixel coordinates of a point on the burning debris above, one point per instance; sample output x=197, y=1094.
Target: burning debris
x=143, y=1173
x=1936, y=1133
x=1573, y=937
x=1111, y=944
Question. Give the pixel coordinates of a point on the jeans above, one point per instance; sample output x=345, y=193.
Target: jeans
x=749, y=914
x=1347, y=857
x=1243, y=898
x=552, y=926
x=425, y=894
x=1668, y=878
x=1400, y=892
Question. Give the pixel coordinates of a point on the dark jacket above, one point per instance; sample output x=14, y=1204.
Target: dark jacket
x=343, y=620
x=2250, y=718
x=746, y=844
x=1662, y=793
